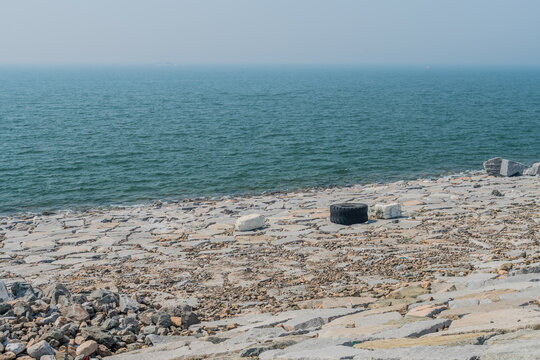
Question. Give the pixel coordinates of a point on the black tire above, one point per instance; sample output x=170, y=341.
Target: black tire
x=348, y=213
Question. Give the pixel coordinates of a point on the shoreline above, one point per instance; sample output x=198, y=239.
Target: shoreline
x=150, y=202
x=194, y=286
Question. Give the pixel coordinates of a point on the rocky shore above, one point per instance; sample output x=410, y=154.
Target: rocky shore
x=457, y=276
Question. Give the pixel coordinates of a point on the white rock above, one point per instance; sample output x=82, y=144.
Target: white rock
x=533, y=170
x=388, y=211
x=250, y=222
x=511, y=168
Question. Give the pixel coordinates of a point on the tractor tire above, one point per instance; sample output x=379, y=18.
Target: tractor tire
x=348, y=213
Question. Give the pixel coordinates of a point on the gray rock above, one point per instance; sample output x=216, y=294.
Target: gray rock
x=76, y=312
x=15, y=347
x=56, y=334
x=304, y=323
x=97, y=334
x=162, y=320
x=176, y=307
x=104, y=297
x=493, y=166
x=496, y=192
x=40, y=349
x=181, y=309
x=21, y=289
x=511, y=168
x=22, y=308
x=3, y=337
x=313, y=319
x=79, y=298
x=4, y=293
x=189, y=318
x=130, y=321
x=58, y=294
x=533, y=170
x=110, y=324
x=150, y=329
x=4, y=308
x=127, y=304
x=49, y=319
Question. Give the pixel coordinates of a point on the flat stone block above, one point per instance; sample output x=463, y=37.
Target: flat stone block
x=436, y=340
x=465, y=352
x=505, y=319
x=415, y=329
x=336, y=302
x=519, y=345
x=327, y=353
x=427, y=310
x=388, y=211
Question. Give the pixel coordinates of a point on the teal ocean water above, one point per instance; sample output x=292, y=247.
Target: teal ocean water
x=73, y=137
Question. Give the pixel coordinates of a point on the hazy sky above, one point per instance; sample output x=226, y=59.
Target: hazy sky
x=426, y=32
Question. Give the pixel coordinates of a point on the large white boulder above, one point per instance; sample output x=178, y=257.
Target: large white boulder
x=387, y=211
x=511, y=168
x=250, y=222
x=533, y=170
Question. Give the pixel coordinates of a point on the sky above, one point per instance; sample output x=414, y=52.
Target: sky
x=424, y=32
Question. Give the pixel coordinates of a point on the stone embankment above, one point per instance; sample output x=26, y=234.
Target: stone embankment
x=456, y=276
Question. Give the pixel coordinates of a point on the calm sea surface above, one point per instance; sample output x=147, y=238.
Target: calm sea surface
x=90, y=136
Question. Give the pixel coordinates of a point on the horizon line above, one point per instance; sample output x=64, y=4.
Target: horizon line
x=205, y=64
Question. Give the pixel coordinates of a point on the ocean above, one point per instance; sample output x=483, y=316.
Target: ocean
x=91, y=136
